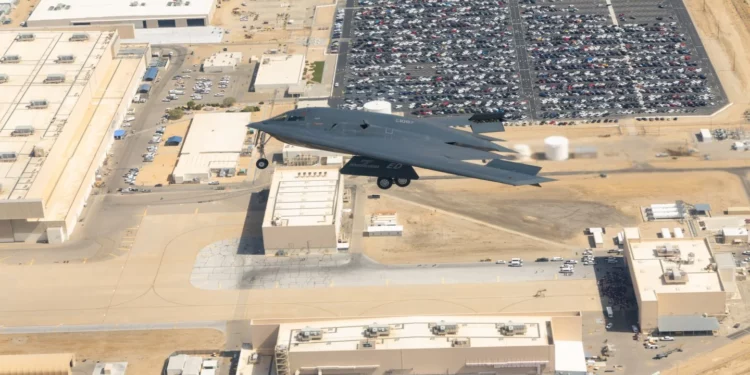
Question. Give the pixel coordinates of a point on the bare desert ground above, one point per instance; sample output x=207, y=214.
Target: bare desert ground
x=731, y=359
x=145, y=351
x=557, y=212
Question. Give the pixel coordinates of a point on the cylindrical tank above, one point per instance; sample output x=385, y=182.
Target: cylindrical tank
x=523, y=152
x=378, y=106
x=556, y=148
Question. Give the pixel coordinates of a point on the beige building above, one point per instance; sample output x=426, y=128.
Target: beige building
x=425, y=345
x=212, y=148
x=142, y=14
x=280, y=72
x=47, y=364
x=222, y=62
x=60, y=102
x=303, y=212
x=676, y=285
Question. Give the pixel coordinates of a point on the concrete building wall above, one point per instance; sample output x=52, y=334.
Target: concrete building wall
x=648, y=315
x=264, y=337
x=422, y=361
x=21, y=209
x=712, y=303
x=136, y=23
x=6, y=231
x=27, y=230
x=319, y=237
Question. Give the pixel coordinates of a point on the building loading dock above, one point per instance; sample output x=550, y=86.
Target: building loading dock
x=46, y=182
x=303, y=213
x=212, y=148
x=491, y=345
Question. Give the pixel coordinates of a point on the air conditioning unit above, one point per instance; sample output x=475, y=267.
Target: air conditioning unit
x=10, y=59
x=38, y=104
x=65, y=59
x=79, y=37
x=25, y=37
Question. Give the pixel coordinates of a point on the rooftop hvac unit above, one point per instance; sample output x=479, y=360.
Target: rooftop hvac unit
x=25, y=37
x=22, y=131
x=307, y=334
x=673, y=276
x=65, y=59
x=377, y=330
x=461, y=343
x=10, y=59
x=512, y=329
x=38, y=104
x=79, y=37
x=3, y=78
x=38, y=152
x=8, y=157
x=55, y=78
x=134, y=4
x=664, y=251
x=443, y=328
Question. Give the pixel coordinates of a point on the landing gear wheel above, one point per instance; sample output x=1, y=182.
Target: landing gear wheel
x=385, y=183
x=403, y=182
x=262, y=163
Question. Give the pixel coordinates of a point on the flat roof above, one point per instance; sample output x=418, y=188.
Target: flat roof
x=717, y=223
x=115, y=368
x=312, y=104
x=303, y=196
x=280, y=70
x=216, y=132
x=734, y=231
x=569, y=357
x=28, y=177
x=104, y=10
x=415, y=332
x=223, y=59
x=649, y=268
x=204, y=162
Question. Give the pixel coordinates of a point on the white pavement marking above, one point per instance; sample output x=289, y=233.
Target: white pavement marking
x=612, y=13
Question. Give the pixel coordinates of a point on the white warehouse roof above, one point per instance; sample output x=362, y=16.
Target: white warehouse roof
x=103, y=10
x=303, y=196
x=280, y=70
x=216, y=133
x=222, y=59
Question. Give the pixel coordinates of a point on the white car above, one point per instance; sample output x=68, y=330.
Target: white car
x=571, y=261
x=556, y=259
x=667, y=338
x=499, y=262
x=635, y=328
x=609, y=325
x=515, y=264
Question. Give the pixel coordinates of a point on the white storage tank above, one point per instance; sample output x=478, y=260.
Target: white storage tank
x=523, y=152
x=556, y=148
x=378, y=106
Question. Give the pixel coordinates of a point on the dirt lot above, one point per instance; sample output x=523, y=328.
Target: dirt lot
x=444, y=237
x=731, y=359
x=559, y=211
x=145, y=351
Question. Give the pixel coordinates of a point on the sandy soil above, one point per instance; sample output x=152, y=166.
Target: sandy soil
x=731, y=359
x=21, y=12
x=158, y=171
x=145, y=351
x=431, y=235
x=561, y=210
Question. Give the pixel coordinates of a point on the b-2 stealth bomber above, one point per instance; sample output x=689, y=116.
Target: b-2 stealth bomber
x=388, y=147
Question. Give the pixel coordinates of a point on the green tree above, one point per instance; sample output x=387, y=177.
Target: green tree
x=249, y=108
x=191, y=105
x=228, y=102
x=175, y=114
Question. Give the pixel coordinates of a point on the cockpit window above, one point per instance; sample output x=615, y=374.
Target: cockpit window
x=296, y=118
x=279, y=118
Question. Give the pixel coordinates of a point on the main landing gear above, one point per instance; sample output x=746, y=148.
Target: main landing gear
x=262, y=162
x=386, y=182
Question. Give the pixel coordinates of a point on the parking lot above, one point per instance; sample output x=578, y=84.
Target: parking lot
x=591, y=60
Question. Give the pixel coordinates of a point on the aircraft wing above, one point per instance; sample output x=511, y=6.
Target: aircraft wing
x=479, y=123
x=448, y=159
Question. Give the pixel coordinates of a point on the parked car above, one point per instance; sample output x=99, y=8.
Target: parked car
x=635, y=328
x=667, y=338
x=557, y=259
x=609, y=325
x=542, y=259
x=499, y=261
x=213, y=183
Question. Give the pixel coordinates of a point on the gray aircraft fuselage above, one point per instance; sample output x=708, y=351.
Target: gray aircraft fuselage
x=327, y=128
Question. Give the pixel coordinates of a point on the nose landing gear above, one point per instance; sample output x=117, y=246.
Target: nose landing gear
x=262, y=162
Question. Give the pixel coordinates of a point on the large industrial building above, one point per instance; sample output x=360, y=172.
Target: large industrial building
x=303, y=213
x=298, y=155
x=280, y=72
x=491, y=345
x=678, y=285
x=213, y=146
x=62, y=95
x=142, y=14
x=222, y=62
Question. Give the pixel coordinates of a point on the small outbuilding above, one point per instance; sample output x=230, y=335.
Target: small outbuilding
x=120, y=134
x=52, y=364
x=151, y=74
x=144, y=88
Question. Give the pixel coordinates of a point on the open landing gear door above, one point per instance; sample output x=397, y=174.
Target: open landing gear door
x=364, y=166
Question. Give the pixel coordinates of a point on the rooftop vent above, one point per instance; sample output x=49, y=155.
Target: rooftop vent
x=25, y=37
x=444, y=328
x=664, y=251
x=307, y=334
x=461, y=343
x=366, y=344
x=38, y=104
x=65, y=59
x=10, y=59
x=134, y=4
x=79, y=37
x=3, y=78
